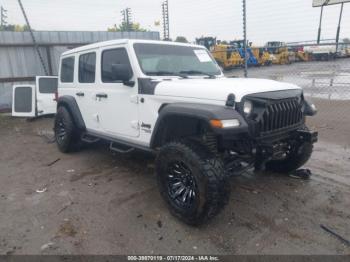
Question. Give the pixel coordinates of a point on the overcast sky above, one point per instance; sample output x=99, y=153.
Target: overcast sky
x=285, y=20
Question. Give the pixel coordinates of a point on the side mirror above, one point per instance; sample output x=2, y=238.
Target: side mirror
x=121, y=72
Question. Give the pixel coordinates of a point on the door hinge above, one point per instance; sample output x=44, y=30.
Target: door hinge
x=134, y=99
x=96, y=117
x=135, y=124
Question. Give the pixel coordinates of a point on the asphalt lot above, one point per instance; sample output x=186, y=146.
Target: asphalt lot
x=98, y=202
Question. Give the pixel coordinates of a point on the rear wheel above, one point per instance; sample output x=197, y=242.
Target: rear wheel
x=191, y=181
x=66, y=134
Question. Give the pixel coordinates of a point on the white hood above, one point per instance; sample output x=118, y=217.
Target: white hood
x=219, y=88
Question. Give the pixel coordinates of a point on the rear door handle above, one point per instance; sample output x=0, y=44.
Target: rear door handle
x=101, y=95
x=80, y=94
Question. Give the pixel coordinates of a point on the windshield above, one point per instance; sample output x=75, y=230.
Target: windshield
x=158, y=59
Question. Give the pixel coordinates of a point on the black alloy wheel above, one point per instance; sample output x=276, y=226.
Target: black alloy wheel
x=182, y=188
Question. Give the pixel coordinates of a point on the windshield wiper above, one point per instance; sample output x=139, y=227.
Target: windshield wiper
x=165, y=73
x=195, y=72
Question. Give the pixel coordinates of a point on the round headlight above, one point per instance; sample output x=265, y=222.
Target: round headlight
x=247, y=107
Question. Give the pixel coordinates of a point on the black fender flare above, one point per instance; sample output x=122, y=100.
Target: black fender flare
x=71, y=104
x=203, y=112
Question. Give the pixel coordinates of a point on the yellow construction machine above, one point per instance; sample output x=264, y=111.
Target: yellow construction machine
x=279, y=52
x=263, y=56
x=225, y=55
x=300, y=54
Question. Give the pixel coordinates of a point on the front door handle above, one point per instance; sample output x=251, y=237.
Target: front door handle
x=80, y=94
x=101, y=95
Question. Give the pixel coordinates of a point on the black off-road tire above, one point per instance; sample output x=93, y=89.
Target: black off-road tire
x=297, y=158
x=212, y=186
x=66, y=134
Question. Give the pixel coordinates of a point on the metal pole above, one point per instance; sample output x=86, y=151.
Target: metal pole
x=245, y=38
x=33, y=37
x=164, y=30
x=319, y=26
x=338, y=30
x=167, y=11
x=128, y=19
x=3, y=16
x=164, y=21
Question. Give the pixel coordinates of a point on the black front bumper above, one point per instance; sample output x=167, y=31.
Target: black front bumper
x=270, y=145
x=268, y=149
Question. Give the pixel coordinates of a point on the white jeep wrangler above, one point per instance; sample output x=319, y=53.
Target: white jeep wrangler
x=172, y=99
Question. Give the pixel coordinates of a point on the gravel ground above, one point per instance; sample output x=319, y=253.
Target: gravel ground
x=98, y=202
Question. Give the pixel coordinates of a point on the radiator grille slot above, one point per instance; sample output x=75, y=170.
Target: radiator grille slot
x=280, y=115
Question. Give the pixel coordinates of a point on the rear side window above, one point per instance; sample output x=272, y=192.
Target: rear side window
x=110, y=57
x=67, y=70
x=87, y=68
x=47, y=85
x=23, y=99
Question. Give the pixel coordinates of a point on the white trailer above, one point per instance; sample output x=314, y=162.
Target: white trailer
x=322, y=52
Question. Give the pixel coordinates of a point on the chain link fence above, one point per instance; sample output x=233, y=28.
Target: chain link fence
x=282, y=45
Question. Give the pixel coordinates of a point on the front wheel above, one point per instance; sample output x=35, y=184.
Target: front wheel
x=66, y=134
x=192, y=181
x=296, y=157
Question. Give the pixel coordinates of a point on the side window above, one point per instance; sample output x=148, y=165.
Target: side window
x=67, y=70
x=47, y=85
x=110, y=58
x=87, y=68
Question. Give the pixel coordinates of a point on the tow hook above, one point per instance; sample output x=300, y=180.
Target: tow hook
x=308, y=136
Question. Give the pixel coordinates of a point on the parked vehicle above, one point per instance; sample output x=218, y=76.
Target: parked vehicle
x=264, y=57
x=343, y=50
x=239, y=45
x=225, y=55
x=35, y=100
x=321, y=52
x=279, y=52
x=172, y=99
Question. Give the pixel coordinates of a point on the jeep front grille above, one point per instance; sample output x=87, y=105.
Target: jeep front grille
x=280, y=115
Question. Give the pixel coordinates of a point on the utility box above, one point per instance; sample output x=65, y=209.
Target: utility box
x=35, y=100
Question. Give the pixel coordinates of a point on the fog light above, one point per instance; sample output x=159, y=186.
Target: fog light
x=313, y=107
x=309, y=108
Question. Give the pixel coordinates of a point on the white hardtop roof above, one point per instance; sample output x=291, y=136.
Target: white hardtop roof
x=124, y=41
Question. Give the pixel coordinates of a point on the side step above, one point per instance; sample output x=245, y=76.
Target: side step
x=121, y=148
x=89, y=139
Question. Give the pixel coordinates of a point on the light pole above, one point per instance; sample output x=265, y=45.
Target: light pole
x=245, y=38
x=338, y=30
x=319, y=27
